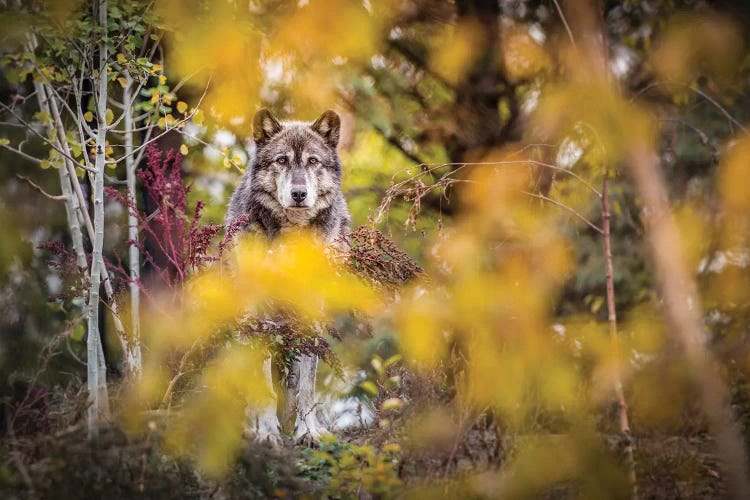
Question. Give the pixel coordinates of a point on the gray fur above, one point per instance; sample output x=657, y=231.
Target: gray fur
x=285, y=159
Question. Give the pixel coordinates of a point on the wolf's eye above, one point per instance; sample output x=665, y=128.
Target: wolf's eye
x=313, y=161
x=281, y=160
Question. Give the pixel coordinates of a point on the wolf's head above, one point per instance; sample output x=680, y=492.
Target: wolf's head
x=296, y=162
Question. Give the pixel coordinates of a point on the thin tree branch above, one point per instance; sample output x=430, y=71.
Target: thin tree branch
x=31, y=129
x=19, y=152
x=37, y=187
x=566, y=207
x=565, y=23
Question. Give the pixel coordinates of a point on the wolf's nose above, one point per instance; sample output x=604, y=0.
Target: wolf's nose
x=299, y=194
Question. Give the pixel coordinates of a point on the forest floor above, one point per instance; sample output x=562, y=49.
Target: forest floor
x=58, y=461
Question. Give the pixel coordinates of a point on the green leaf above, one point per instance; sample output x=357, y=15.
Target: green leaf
x=369, y=387
x=377, y=364
x=198, y=117
x=392, y=360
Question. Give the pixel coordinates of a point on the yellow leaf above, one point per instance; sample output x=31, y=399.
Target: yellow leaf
x=182, y=107
x=109, y=116
x=123, y=81
x=88, y=116
x=391, y=404
x=184, y=150
x=162, y=80
x=4, y=141
x=121, y=58
x=455, y=52
x=733, y=174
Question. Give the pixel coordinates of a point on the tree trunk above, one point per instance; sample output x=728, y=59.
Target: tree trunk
x=682, y=308
x=588, y=26
x=132, y=348
x=73, y=208
x=626, y=438
x=97, y=380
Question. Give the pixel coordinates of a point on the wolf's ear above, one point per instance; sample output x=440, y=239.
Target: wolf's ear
x=328, y=127
x=265, y=126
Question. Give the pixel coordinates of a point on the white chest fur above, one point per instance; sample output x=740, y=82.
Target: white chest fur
x=298, y=216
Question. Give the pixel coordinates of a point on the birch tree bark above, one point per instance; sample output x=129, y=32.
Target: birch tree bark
x=73, y=210
x=133, y=348
x=94, y=380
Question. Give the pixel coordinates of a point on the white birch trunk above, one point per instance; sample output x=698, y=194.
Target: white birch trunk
x=94, y=380
x=132, y=352
x=73, y=210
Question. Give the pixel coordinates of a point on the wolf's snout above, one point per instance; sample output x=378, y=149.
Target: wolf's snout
x=299, y=194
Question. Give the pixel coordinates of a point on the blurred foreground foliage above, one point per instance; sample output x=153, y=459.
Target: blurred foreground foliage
x=477, y=137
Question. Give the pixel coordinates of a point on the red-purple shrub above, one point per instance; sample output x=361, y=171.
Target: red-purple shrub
x=64, y=262
x=179, y=243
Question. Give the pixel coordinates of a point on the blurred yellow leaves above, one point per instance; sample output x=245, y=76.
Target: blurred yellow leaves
x=497, y=273
x=695, y=44
x=693, y=227
x=616, y=123
x=211, y=422
x=727, y=265
x=293, y=273
x=422, y=330
x=229, y=49
x=734, y=175
x=455, y=50
x=325, y=29
x=522, y=56
x=217, y=49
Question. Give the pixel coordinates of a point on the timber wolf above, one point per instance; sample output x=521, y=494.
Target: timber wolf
x=294, y=180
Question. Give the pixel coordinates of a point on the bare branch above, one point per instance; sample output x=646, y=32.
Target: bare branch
x=566, y=207
x=31, y=129
x=18, y=151
x=167, y=129
x=37, y=187
x=565, y=23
